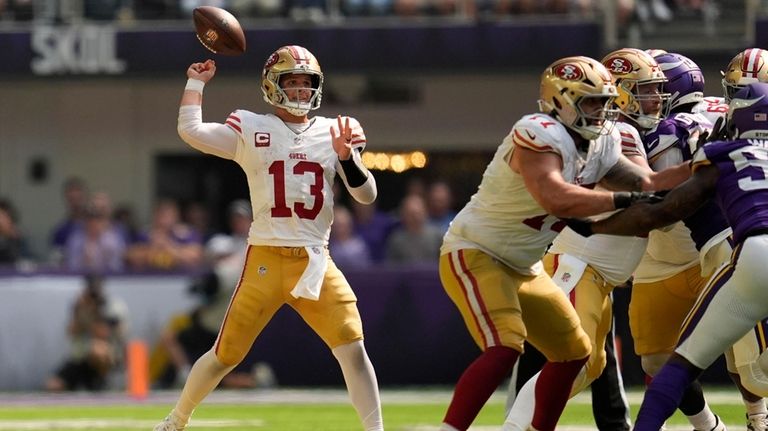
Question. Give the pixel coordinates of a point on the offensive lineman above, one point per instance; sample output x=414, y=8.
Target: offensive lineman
x=290, y=162
x=587, y=269
x=490, y=263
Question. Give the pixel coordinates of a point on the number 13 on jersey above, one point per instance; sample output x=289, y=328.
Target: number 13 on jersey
x=278, y=171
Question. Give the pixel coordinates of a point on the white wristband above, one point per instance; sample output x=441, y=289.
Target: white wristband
x=195, y=85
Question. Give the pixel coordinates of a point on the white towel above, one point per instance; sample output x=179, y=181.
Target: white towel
x=569, y=271
x=312, y=279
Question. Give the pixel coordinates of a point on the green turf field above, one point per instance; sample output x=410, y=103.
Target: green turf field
x=305, y=412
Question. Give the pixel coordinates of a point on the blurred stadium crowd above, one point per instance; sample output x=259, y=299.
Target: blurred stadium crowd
x=94, y=236
x=319, y=10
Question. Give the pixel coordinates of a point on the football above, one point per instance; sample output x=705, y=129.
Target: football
x=218, y=30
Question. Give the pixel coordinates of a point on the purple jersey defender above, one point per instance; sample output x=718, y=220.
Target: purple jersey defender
x=743, y=181
x=674, y=133
x=735, y=174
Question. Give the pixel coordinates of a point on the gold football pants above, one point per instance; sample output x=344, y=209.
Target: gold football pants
x=504, y=308
x=269, y=275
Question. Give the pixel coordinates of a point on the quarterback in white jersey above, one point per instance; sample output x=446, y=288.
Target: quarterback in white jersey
x=290, y=162
x=490, y=263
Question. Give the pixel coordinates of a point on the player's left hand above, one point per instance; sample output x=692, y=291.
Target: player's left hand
x=342, y=142
x=719, y=133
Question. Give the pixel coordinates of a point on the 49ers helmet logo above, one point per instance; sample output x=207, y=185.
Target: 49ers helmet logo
x=271, y=60
x=569, y=72
x=618, y=65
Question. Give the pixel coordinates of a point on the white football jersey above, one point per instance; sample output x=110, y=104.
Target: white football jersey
x=711, y=108
x=631, y=142
x=613, y=257
x=502, y=218
x=290, y=176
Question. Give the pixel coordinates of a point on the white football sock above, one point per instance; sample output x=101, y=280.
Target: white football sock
x=361, y=383
x=703, y=420
x=520, y=415
x=203, y=378
x=756, y=408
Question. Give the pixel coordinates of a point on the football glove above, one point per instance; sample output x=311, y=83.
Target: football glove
x=625, y=199
x=719, y=133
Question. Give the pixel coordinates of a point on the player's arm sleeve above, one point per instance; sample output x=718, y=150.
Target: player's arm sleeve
x=211, y=138
x=358, y=180
x=681, y=202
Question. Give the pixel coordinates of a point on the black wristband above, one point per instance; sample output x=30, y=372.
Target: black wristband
x=625, y=199
x=622, y=199
x=355, y=176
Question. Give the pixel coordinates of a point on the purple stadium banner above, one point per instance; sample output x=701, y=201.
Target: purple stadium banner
x=91, y=49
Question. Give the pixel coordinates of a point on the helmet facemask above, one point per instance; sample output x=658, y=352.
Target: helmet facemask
x=631, y=99
x=292, y=60
x=599, y=122
x=632, y=69
x=729, y=89
x=298, y=107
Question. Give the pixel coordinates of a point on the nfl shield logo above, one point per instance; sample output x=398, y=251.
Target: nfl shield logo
x=566, y=276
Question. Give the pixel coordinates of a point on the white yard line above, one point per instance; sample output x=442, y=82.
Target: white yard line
x=303, y=396
x=95, y=424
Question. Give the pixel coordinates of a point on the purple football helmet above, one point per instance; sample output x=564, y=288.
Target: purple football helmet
x=748, y=112
x=686, y=82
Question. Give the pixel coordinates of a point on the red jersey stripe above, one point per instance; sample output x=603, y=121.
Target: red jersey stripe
x=234, y=126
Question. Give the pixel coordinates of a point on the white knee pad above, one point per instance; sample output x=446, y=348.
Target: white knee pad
x=652, y=363
x=751, y=365
x=754, y=379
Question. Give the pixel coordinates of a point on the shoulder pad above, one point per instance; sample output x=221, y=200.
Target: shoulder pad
x=540, y=132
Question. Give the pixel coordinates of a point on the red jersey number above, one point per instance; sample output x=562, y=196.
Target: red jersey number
x=281, y=209
x=539, y=222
